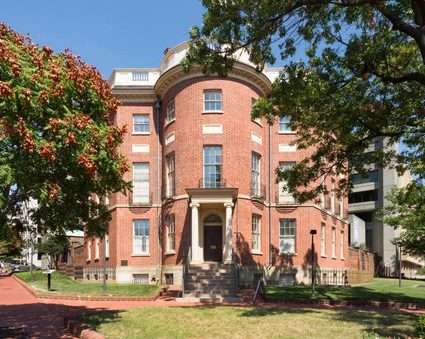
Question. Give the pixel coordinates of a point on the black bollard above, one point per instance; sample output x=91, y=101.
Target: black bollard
x=49, y=281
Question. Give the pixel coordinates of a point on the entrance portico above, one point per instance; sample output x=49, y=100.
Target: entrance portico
x=212, y=209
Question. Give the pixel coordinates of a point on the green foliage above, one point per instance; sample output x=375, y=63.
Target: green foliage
x=57, y=140
x=408, y=212
x=420, y=327
x=54, y=246
x=363, y=78
x=421, y=271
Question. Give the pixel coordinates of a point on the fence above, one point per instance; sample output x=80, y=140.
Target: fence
x=96, y=273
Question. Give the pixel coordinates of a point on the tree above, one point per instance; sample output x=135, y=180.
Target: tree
x=408, y=212
x=58, y=143
x=53, y=247
x=363, y=77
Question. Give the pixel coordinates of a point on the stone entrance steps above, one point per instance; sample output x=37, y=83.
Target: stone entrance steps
x=210, y=282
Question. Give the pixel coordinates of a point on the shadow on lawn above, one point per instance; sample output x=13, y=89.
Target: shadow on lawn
x=386, y=324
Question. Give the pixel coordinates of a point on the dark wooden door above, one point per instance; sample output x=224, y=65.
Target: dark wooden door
x=213, y=243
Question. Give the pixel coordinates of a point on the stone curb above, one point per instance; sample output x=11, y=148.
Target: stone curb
x=357, y=303
x=38, y=295
x=81, y=330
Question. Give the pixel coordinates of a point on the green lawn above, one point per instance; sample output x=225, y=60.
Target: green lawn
x=249, y=322
x=62, y=284
x=380, y=289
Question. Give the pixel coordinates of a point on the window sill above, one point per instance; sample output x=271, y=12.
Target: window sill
x=96, y=259
x=169, y=122
x=257, y=123
x=212, y=112
x=334, y=258
x=323, y=256
x=141, y=133
x=170, y=253
x=287, y=132
x=342, y=258
x=140, y=255
x=287, y=253
x=256, y=252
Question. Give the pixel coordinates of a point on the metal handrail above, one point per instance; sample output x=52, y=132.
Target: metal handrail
x=221, y=184
x=279, y=201
x=148, y=202
x=258, y=191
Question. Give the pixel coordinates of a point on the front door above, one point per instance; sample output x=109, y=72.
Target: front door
x=213, y=243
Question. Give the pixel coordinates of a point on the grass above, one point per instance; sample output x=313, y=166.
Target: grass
x=380, y=290
x=249, y=322
x=62, y=284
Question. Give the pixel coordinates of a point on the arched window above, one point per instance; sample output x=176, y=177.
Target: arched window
x=212, y=219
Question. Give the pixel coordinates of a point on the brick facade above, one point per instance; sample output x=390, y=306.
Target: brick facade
x=239, y=138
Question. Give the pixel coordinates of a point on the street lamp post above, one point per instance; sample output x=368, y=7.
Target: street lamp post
x=313, y=232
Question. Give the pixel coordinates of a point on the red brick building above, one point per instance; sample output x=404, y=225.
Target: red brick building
x=204, y=183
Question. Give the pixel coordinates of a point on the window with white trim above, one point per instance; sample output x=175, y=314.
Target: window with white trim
x=89, y=249
x=141, y=182
x=287, y=235
x=323, y=239
x=96, y=249
x=140, y=123
x=256, y=174
x=171, y=177
x=171, y=233
x=342, y=245
x=212, y=101
x=141, y=236
x=171, y=111
x=256, y=232
x=284, y=124
x=333, y=242
x=284, y=195
x=333, y=196
x=212, y=167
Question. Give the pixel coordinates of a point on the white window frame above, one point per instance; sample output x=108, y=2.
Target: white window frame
x=170, y=162
x=323, y=239
x=287, y=239
x=342, y=244
x=106, y=240
x=283, y=194
x=213, y=101
x=96, y=249
x=171, y=111
x=142, y=124
x=333, y=242
x=89, y=250
x=284, y=124
x=219, y=165
x=141, y=240
x=171, y=233
x=141, y=186
x=256, y=173
x=333, y=196
x=256, y=233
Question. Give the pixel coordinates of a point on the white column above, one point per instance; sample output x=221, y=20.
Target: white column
x=227, y=259
x=195, y=233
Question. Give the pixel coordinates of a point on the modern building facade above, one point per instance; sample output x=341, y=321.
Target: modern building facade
x=365, y=201
x=204, y=183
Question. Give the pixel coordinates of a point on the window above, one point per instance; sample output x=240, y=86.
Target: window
x=341, y=208
x=140, y=236
x=362, y=178
x=322, y=194
x=287, y=236
x=89, y=249
x=256, y=231
x=284, y=124
x=107, y=245
x=140, y=76
x=212, y=101
x=333, y=242
x=333, y=196
x=212, y=167
x=171, y=178
x=255, y=174
x=284, y=195
x=323, y=239
x=171, y=114
x=140, y=123
x=257, y=120
x=171, y=233
x=96, y=249
x=363, y=196
x=342, y=245
x=142, y=279
x=141, y=183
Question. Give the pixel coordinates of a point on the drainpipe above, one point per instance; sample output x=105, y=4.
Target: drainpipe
x=270, y=196
x=157, y=106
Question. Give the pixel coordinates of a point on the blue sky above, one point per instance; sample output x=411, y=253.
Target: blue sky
x=107, y=34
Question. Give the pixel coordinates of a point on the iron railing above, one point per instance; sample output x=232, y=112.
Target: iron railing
x=258, y=191
x=145, y=200
x=202, y=183
x=285, y=199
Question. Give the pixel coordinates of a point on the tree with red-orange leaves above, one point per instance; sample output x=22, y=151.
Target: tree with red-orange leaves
x=57, y=141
